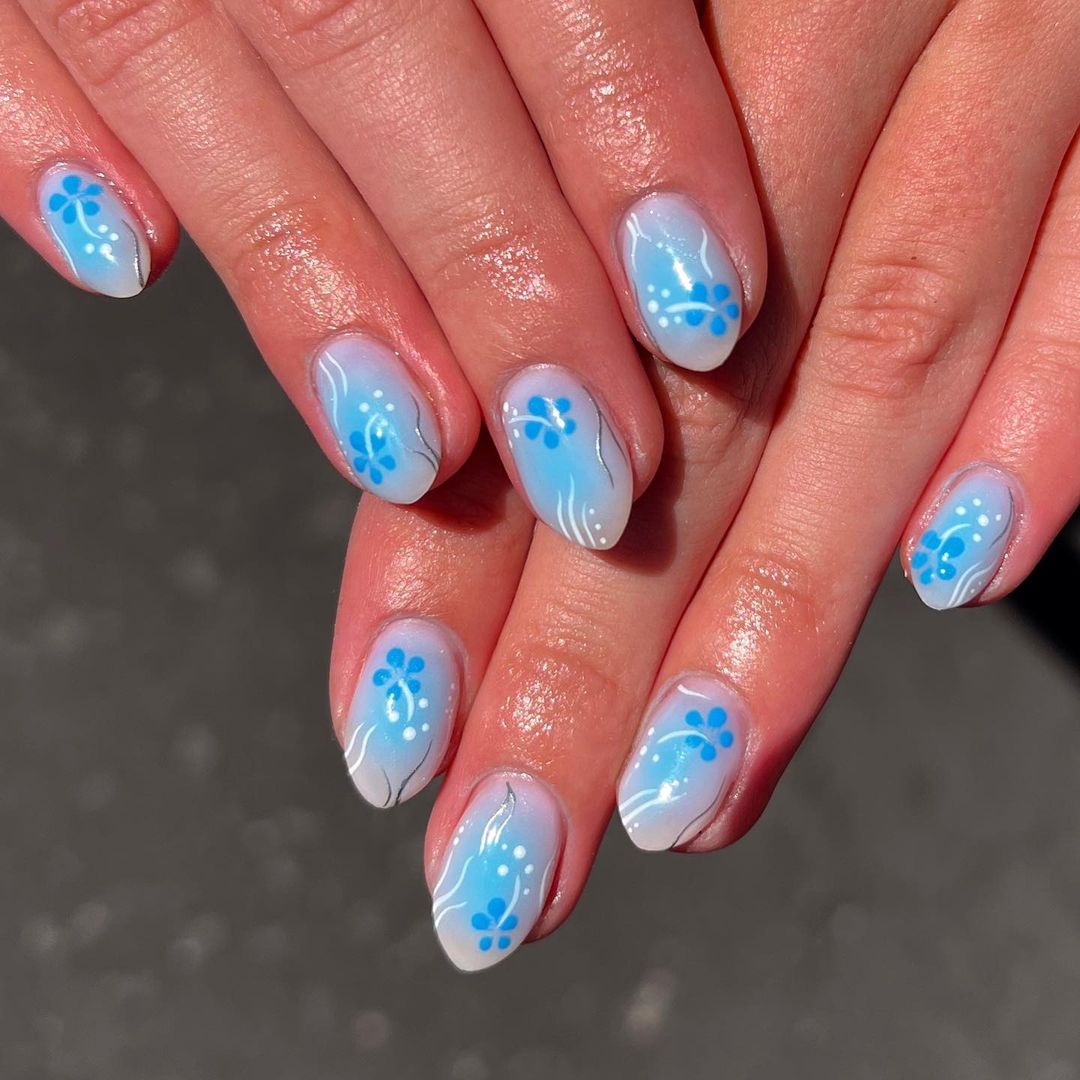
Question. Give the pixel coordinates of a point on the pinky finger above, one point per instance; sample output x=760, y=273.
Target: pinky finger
x=67, y=184
x=1011, y=479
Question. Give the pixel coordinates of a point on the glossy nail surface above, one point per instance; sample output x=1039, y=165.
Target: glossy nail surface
x=573, y=466
x=383, y=421
x=683, y=281
x=497, y=871
x=685, y=760
x=402, y=712
x=962, y=548
x=102, y=241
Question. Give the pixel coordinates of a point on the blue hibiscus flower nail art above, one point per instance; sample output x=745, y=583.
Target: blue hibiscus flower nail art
x=549, y=417
x=75, y=197
x=495, y=925
x=402, y=671
x=716, y=719
x=371, y=455
x=936, y=557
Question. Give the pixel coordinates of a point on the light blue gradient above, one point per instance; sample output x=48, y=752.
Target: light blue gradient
x=963, y=545
x=403, y=711
x=102, y=241
x=684, y=283
x=687, y=756
x=497, y=871
x=381, y=418
x=572, y=465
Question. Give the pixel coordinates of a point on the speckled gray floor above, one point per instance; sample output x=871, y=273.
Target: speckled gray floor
x=191, y=891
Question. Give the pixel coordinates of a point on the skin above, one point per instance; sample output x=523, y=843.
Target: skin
x=765, y=478
x=373, y=189
x=953, y=218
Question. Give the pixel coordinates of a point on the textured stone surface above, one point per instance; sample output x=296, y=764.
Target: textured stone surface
x=192, y=891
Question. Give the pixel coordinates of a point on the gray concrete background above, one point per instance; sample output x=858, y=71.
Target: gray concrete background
x=191, y=891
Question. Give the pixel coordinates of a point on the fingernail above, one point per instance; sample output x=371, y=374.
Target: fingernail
x=690, y=750
x=102, y=240
x=683, y=281
x=963, y=546
x=572, y=464
x=402, y=712
x=497, y=871
x=383, y=421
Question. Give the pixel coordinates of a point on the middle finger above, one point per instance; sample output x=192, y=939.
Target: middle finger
x=414, y=101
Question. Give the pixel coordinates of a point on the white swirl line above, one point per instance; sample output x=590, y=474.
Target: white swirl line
x=649, y=805
x=446, y=911
x=457, y=885
x=642, y=794
x=513, y=900
x=702, y=253
x=570, y=514
x=363, y=751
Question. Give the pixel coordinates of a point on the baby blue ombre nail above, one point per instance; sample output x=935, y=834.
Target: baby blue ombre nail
x=497, y=871
x=573, y=466
x=683, y=281
x=381, y=418
x=687, y=757
x=965, y=541
x=102, y=241
x=402, y=712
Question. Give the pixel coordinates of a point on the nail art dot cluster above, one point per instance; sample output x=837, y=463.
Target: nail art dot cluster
x=714, y=305
x=370, y=440
x=403, y=697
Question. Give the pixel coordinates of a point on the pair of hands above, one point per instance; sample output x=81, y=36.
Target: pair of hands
x=920, y=191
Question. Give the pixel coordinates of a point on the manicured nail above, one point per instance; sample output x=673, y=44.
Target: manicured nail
x=402, y=712
x=101, y=239
x=573, y=466
x=685, y=286
x=689, y=752
x=497, y=871
x=383, y=421
x=962, y=548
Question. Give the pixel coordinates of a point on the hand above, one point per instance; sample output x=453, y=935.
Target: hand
x=946, y=336
x=369, y=182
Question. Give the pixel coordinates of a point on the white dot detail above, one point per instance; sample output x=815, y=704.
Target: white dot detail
x=409, y=734
x=519, y=851
x=503, y=870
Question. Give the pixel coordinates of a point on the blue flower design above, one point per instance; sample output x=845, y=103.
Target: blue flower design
x=374, y=457
x=724, y=305
x=73, y=196
x=936, y=557
x=549, y=417
x=400, y=672
x=494, y=925
x=714, y=722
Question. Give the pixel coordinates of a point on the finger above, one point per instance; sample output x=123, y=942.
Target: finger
x=928, y=263
x=67, y=185
x=423, y=598
x=301, y=254
x=559, y=705
x=1011, y=479
x=414, y=101
x=649, y=153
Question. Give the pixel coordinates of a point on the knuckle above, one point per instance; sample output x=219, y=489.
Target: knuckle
x=881, y=335
x=273, y=245
x=773, y=586
x=318, y=32
x=103, y=37
x=702, y=426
